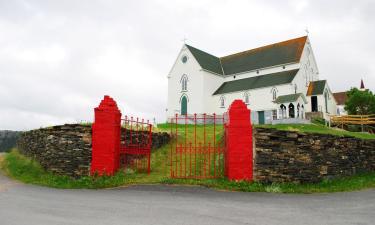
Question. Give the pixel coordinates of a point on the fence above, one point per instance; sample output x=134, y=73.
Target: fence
x=136, y=141
x=352, y=120
x=198, y=148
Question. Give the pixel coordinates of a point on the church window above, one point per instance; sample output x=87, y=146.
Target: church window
x=257, y=71
x=246, y=96
x=283, y=67
x=274, y=114
x=183, y=81
x=184, y=59
x=222, y=102
x=274, y=94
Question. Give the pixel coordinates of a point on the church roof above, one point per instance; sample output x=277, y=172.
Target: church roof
x=316, y=87
x=261, y=81
x=289, y=51
x=206, y=61
x=340, y=97
x=290, y=98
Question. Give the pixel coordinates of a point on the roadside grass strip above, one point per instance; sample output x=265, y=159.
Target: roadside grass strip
x=29, y=171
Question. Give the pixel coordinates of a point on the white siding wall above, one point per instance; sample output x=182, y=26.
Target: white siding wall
x=194, y=85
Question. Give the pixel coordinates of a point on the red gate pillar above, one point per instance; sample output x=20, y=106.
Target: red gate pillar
x=239, y=143
x=106, y=138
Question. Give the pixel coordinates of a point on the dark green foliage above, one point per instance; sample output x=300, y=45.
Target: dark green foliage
x=360, y=102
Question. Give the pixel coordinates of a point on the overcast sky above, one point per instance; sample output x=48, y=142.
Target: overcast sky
x=58, y=58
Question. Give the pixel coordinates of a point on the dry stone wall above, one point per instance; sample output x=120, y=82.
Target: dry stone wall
x=286, y=156
x=66, y=149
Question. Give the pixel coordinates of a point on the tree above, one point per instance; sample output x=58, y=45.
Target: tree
x=360, y=102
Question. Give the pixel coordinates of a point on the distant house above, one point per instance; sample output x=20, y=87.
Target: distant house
x=341, y=98
x=278, y=82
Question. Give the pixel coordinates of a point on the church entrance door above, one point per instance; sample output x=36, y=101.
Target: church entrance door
x=184, y=105
x=261, y=117
x=314, y=104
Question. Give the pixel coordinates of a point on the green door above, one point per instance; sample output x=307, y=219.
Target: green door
x=184, y=106
x=261, y=117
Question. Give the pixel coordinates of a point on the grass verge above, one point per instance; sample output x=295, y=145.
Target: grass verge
x=319, y=129
x=26, y=170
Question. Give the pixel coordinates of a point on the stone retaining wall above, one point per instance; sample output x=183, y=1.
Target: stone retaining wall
x=285, y=156
x=66, y=149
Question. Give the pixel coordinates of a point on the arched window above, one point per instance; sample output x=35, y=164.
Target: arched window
x=291, y=110
x=283, y=111
x=274, y=94
x=222, y=102
x=246, y=98
x=183, y=81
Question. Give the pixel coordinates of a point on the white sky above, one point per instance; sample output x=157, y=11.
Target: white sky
x=59, y=58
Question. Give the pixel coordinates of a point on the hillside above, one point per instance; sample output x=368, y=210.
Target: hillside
x=8, y=139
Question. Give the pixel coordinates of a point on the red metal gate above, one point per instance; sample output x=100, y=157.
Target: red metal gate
x=136, y=143
x=197, y=150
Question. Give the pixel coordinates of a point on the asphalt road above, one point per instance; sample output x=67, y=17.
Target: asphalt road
x=32, y=205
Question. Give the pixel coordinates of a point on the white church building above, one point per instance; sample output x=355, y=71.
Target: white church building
x=278, y=82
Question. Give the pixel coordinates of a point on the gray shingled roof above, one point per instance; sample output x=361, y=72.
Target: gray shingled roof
x=262, y=81
x=289, y=51
x=289, y=98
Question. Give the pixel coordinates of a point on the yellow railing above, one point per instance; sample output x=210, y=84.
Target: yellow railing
x=353, y=119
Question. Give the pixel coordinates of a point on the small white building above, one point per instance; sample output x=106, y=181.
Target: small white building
x=279, y=83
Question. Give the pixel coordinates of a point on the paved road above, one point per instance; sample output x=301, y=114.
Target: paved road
x=26, y=204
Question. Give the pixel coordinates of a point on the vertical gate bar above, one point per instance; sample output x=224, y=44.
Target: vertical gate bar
x=200, y=159
x=204, y=130
x=176, y=158
x=214, y=144
x=209, y=159
x=176, y=171
x=171, y=147
x=131, y=131
x=185, y=155
x=137, y=133
x=180, y=159
x=195, y=160
x=143, y=139
x=185, y=141
x=195, y=142
x=190, y=159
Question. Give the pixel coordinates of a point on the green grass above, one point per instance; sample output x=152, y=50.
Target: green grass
x=319, y=129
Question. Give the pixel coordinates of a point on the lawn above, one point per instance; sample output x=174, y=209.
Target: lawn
x=319, y=129
x=28, y=171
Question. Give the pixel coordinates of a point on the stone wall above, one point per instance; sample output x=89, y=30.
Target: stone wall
x=66, y=149
x=285, y=156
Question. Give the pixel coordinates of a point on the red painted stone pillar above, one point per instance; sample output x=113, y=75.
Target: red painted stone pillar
x=106, y=138
x=239, y=143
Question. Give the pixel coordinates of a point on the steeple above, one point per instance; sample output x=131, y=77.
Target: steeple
x=362, y=85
